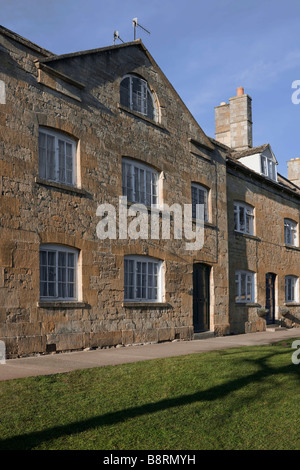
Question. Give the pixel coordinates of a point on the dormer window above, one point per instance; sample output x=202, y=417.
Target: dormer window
x=268, y=168
x=136, y=96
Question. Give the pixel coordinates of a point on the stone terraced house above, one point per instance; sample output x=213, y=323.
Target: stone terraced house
x=87, y=137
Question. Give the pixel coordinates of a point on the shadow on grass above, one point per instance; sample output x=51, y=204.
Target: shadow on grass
x=34, y=439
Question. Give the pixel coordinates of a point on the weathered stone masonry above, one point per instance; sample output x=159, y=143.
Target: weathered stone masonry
x=78, y=95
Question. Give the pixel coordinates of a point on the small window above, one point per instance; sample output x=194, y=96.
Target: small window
x=135, y=95
x=290, y=232
x=199, y=196
x=139, y=182
x=268, y=168
x=244, y=283
x=57, y=154
x=142, y=279
x=243, y=218
x=291, y=289
x=58, y=273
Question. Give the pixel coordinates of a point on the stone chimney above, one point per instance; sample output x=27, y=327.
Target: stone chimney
x=233, y=121
x=294, y=171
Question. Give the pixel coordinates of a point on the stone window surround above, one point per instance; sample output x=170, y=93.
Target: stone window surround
x=160, y=282
x=252, y=282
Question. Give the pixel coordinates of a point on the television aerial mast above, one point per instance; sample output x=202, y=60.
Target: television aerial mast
x=116, y=36
x=136, y=24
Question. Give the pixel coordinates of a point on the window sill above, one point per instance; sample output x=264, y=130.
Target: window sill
x=292, y=247
x=141, y=116
x=292, y=304
x=247, y=304
x=62, y=304
x=247, y=235
x=146, y=305
x=64, y=187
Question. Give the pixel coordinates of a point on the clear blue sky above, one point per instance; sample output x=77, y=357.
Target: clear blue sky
x=206, y=48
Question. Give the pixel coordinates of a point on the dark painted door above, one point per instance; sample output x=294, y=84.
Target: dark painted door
x=201, y=275
x=270, y=297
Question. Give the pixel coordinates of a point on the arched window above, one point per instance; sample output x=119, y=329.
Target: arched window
x=136, y=95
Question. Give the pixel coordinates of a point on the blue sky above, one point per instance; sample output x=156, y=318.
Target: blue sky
x=206, y=48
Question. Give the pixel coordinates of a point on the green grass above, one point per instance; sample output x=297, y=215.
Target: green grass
x=243, y=398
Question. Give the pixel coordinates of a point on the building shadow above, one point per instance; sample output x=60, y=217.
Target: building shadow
x=35, y=439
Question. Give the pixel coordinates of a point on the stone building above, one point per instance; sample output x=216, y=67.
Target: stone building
x=263, y=225
x=87, y=136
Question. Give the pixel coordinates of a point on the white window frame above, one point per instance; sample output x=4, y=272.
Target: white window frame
x=199, y=195
x=54, y=273
x=268, y=168
x=245, y=286
x=290, y=232
x=140, y=183
x=248, y=215
x=139, y=276
x=54, y=164
x=291, y=289
x=138, y=101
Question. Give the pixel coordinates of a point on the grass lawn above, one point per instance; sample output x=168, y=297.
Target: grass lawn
x=243, y=398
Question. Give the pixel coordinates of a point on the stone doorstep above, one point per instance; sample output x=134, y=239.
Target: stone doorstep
x=275, y=327
x=204, y=335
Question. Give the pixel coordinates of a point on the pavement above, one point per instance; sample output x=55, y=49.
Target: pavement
x=69, y=361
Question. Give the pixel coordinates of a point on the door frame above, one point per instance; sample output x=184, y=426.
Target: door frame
x=270, y=317
x=201, y=324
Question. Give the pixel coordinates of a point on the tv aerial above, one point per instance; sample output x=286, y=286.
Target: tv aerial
x=136, y=24
x=116, y=36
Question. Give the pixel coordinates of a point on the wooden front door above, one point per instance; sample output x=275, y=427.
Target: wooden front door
x=201, y=275
x=270, y=297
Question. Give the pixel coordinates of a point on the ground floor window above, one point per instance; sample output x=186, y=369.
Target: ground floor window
x=142, y=279
x=245, y=288
x=291, y=289
x=58, y=273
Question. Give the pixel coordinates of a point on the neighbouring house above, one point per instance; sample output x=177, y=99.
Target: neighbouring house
x=89, y=133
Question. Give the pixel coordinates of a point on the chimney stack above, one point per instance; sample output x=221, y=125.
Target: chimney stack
x=294, y=171
x=234, y=121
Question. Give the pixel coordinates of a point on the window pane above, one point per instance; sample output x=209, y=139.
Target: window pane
x=125, y=92
x=51, y=166
x=42, y=155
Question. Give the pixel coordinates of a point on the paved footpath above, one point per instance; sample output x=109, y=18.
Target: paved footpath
x=65, y=362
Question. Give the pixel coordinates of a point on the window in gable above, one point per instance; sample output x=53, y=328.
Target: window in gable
x=136, y=95
x=268, y=168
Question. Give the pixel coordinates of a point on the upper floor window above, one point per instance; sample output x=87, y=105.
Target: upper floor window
x=243, y=218
x=290, y=232
x=245, y=289
x=58, y=272
x=136, y=95
x=291, y=289
x=268, y=168
x=139, y=182
x=142, y=279
x=199, y=196
x=57, y=157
